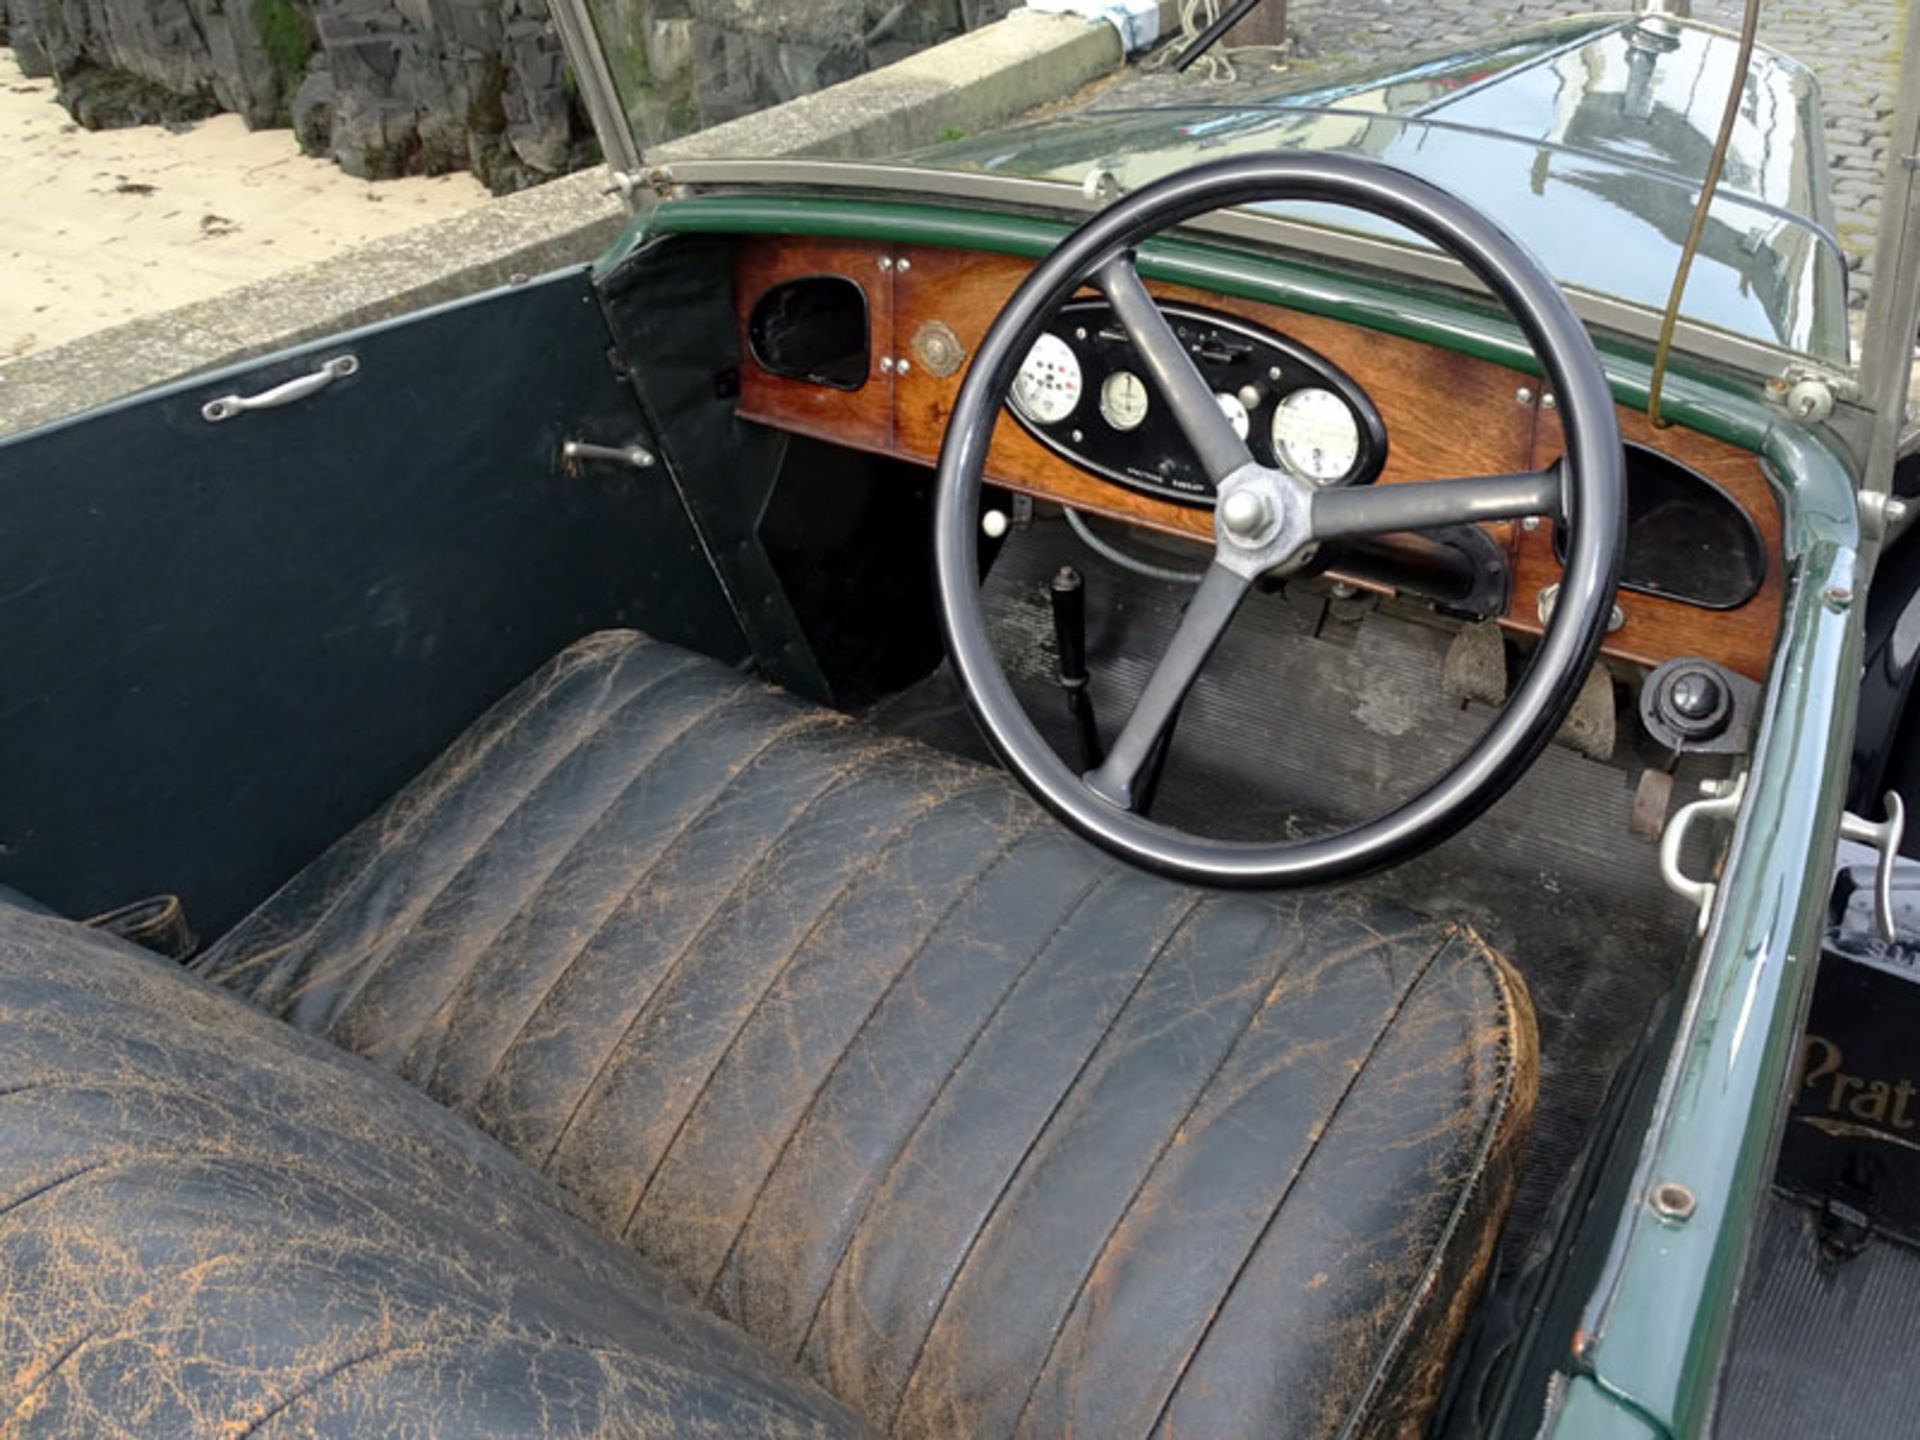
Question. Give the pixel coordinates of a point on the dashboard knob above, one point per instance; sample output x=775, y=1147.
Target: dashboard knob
x=1696, y=695
x=1694, y=702
x=993, y=524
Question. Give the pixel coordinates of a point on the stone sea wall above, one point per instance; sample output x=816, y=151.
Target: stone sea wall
x=406, y=87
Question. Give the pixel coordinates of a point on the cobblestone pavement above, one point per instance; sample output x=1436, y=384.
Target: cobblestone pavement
x=1852, y=46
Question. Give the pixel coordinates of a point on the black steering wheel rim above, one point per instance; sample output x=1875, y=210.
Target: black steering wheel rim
x=1594, y=507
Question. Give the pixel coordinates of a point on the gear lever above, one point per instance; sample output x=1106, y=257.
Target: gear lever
x=1069, y=595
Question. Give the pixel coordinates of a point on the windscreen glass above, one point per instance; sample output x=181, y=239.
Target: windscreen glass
x=1587, y=135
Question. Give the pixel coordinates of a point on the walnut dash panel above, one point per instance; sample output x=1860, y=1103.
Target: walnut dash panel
x=1658, y=629
x=862, y=417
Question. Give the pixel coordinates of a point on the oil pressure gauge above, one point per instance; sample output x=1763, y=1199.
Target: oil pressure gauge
x=1123, y=400
x=1315, y=435
x=1048, y=386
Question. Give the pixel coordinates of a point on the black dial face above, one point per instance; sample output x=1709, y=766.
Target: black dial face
x=1295, y=410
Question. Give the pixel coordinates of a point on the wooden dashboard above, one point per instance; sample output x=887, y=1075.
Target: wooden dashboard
x=1446, y=415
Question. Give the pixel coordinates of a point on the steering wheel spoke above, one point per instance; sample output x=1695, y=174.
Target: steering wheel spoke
x=1432, y=504
x=1206, y=619
x=1189, y=397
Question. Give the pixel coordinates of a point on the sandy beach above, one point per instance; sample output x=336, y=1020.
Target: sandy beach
x=97, y=227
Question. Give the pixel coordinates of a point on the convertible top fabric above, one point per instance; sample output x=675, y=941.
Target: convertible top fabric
x=986, y=1132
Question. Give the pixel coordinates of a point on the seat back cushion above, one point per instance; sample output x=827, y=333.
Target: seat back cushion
x=993, y=1135
x=211, y=1225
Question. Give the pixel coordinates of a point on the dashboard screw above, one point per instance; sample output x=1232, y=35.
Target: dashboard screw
x=886, y=364
x=1530, y=524
x=901, y=366
x=886, y=262
x=1523, y=396
x=1547, y=402
x=903, y=264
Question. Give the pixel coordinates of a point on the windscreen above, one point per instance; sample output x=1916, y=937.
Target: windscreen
x=1587, y=135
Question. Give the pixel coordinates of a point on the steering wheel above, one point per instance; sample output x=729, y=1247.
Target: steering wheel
x=1269, y=522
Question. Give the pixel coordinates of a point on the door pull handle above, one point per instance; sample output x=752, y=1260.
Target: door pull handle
x=298, y=388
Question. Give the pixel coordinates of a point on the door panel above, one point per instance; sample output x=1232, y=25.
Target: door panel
x=226, y=642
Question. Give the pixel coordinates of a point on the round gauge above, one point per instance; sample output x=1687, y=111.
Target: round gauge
x=1235, y=412
x=1315, y=435
x=1123, y=400
x=1048, y=385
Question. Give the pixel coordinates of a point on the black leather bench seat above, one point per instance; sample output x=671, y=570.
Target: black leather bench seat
x=213, y=1226
x=975, y=1128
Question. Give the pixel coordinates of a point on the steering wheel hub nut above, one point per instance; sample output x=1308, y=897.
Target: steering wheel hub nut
x=1247, y=515
x=1263, y=522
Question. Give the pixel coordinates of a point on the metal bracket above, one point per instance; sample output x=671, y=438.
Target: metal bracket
x=1808, y=392
x=298, y=388
x=1882, y=516
x=1885, y=838
x=1721, y=802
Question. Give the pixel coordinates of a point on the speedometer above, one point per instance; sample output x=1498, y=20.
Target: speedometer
x=1315, y=435
x=1048, y=386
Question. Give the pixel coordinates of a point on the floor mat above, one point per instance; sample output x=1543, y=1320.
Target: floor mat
x=1822, y=1349
x=1297, y=724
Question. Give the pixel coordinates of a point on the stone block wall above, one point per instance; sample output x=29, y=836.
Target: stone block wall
x=399, y=87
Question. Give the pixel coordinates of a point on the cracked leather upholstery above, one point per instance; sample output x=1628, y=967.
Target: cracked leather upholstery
x=213, y=1226
x=989, y=1133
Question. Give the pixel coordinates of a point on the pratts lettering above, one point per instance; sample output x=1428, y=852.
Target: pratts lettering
x=1822, y=1071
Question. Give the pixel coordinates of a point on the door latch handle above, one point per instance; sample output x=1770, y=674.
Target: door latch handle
x=638, y=456
x=1721, y=801
x=1885, y=838
x=298, y=388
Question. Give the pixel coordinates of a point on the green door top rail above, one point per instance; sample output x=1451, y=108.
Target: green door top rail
x=1657, y=1325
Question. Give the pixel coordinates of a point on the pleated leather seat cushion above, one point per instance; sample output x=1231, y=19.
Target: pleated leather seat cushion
x=211, y=1226
x=991, y=1134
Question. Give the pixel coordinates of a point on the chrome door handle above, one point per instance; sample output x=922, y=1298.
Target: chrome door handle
x=1885, y=838
x=1722, y=802
x=298, y=388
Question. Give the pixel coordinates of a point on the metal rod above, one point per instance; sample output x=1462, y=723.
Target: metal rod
x=1663, y=348
x=1893, y=307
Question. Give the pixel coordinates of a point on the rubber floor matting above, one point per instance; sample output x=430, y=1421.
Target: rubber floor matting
x=1822, y=1349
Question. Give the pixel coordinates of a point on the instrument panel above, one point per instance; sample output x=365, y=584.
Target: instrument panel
x=1085, y=394
x=1440, y=413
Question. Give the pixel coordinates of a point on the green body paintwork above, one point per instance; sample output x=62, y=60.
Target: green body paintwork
x=1655, y=1326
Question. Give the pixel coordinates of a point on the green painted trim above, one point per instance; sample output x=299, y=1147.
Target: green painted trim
x=1663, y=1311
x=1695, y=400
